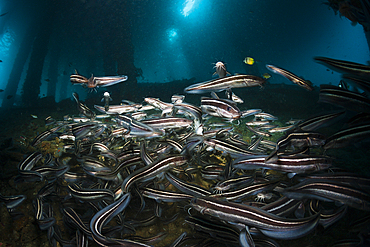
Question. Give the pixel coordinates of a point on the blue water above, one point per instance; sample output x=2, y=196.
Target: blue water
x=183, y=39
x=284, y=33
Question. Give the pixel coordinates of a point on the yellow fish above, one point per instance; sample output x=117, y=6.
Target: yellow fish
x=249, y=60
x=266, y=75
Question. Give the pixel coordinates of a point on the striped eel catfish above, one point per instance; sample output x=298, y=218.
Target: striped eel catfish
x=44, y=135
x=149, y=172
x=82, y=108
x=342, y=66
x=327, y=190
x=29, y=162
x=136, y=128
x=190, y=189
x=73, y=218
x=88, y=194
x=165, y=196
x=177, y=98
x=348, y=136
x=224, y=146
x=250, y=112
x=282, y=207
x=93, y=82
x=299, y=163
x=158, y=103
x=168, y=122
x=232, y=183
x=220, y=84
x=318, y=121
x=117, y=109
x=291, y=77
x=220, y=69
x=269, y=224
x=105, y=215
x=344, y=98
x=12, y=202
x=105, y=81
x=299, y=140
x=362, y=83
x=220, y=108
x=327, y=216
x=189, y=109
x=345, y=178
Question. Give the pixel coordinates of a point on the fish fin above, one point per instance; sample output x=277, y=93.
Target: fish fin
x=75, y=96
x=272, y=157
x=230, y=102
x=245, y=237
x=214, y=95
x=299, y=212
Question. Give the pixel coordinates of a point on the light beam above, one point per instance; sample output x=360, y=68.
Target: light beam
x=189, y=4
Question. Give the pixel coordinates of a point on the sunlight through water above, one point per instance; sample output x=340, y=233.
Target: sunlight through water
x=189, y=4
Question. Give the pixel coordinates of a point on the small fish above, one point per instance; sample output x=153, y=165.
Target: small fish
x=220, y=84
x=269, y=224
x=33, y=116
x=1, y=61
x=348, y=136
x=266, y=75
x=348, y=99
x=9, y=96
x=4, y=14
x=177, y=98
x=1, y=90
x=49, y=120
x=345, y=67
x=248, y=60
x=220, y=108
x=220, y=69
x=106, y=100
x=306, y=84
x=47, y=80
x=94, y=82
x=234, y=97
x=83, y=109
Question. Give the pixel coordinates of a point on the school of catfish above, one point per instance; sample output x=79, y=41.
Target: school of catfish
x=136, y=164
